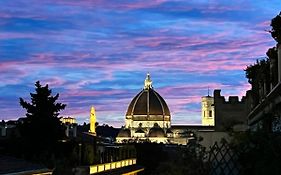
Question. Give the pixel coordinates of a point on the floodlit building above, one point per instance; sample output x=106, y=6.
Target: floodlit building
x=8, y=129
x=148, y=117
x=208, y=112
x=71, y=126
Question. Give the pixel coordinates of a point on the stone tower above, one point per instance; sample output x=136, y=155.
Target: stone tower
x=93, y=121
x=208, y=112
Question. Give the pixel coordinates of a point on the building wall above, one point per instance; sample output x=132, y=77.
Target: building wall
x=136, y=139
x=183, y=135
x=129, y=123
x=149, y=124
x=145, y=125
x=122, y=139
x=70, y=126
x=231, y=113
x=9, y=129
x=158, y=139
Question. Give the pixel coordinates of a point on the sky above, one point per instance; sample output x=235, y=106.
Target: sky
x=97, y=52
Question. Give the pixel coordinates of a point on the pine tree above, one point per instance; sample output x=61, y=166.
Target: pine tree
x=41, y=128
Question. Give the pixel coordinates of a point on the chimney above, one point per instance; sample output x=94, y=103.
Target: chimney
x=217, y=93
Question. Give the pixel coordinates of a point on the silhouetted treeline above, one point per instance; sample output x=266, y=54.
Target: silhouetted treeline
x=102, y=130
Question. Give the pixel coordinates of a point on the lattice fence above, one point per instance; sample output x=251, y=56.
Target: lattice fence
x=224, y=160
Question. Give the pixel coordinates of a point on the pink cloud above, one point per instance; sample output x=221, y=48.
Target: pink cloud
x=92, y=93
x=54, y=81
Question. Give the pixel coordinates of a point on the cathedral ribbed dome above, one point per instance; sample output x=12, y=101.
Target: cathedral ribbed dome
x=156, y=131
x=124, y=133
x=148, y=102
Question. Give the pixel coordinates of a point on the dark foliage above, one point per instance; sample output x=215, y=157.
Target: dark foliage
x=160, y=159
x=276, y=28
x=150, y=155
x=260, y=152
x=41, y=129
x=102, y=130
x=107, y=131
x=185, y=160
x=259, y=76
x=273, y=59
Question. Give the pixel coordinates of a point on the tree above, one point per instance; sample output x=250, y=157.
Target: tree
x=276, y=28
x=41, y=128
x=273, y=61
x=189, y=160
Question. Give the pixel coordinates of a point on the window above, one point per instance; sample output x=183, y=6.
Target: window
x=210, y=113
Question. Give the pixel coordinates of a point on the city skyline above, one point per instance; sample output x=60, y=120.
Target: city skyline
x=98, y=52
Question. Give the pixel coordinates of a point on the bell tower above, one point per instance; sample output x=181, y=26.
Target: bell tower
x=207, y=109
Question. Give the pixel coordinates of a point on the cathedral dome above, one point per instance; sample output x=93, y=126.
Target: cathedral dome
x=140, y=131
x=124, y=133
x=156, y=132
x=148, y=102
x=169, y=131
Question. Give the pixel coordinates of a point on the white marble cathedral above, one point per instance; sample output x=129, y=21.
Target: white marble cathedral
x=147, y=118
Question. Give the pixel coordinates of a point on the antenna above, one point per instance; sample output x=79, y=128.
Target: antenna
x=208, y=91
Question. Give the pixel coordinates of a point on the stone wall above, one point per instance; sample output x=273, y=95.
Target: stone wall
x=210, y=138
x=231, y=114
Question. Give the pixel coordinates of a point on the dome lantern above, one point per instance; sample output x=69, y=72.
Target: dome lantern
x=147, y=82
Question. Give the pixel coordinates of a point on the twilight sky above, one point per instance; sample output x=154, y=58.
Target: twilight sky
x=97, y=52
